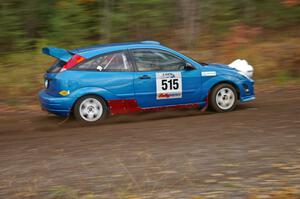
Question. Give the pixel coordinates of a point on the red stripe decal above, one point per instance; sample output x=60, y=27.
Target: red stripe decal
x=123, y=106
x=206, y=105
x=130, y=106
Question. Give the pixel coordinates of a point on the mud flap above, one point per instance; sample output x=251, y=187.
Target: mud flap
x=206, y=104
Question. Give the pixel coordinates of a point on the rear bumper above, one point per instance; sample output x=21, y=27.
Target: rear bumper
x=58, y=105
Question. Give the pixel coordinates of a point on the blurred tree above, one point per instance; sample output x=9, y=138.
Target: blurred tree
x=141, y=19
x=68, y=25
x=106, y=22
x=189, y=13
x=34, y=17
x=77, y=22
x=10, y=33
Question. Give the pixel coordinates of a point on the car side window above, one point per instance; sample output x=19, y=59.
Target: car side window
x=156, y=60
x=112, y=62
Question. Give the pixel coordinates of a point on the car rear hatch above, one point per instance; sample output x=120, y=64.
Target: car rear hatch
x=54, y=83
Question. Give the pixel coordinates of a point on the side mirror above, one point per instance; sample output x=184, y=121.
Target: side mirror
x=189, y=66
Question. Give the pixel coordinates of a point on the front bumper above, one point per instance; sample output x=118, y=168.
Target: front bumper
x=246, y=91
x=247, y=98
x=58, y=105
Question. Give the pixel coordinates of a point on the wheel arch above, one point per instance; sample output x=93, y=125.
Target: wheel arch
x=89, y=94
x=97, y=91
x=225, y=82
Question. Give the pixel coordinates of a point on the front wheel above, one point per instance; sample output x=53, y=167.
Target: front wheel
x=90, y=109
x=223, y=98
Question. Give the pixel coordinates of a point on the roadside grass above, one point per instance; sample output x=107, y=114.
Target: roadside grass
x=21, y=74
x=64, y=192
x=155, y=183
x=152, y=186
x=286, y=193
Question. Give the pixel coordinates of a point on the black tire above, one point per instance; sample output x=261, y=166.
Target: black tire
x=78, y=109
x=218, y=90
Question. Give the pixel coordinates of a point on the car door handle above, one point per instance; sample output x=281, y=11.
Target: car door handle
x=145, y=77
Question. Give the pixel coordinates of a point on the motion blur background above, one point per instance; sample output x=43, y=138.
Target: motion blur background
x=264, y=32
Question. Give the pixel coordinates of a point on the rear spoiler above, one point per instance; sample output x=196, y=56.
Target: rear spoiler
x=58, y=53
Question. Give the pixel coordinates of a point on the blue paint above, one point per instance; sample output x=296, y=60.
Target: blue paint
x=128, y=85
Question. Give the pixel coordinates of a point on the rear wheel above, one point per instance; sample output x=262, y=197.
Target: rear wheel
x=90, y=109
x=223, y=98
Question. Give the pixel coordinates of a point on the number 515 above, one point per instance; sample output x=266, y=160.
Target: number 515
x=171, y=84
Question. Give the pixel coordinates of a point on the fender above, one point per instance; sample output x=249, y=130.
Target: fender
x=222, y=78
x=105, y=94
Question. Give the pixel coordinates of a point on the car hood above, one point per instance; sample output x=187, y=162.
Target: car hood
x=217, y=66
x=240, y=66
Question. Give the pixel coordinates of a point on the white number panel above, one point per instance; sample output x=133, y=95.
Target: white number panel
x=168, y=85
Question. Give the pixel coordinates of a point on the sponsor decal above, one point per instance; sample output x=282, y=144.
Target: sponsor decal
x=168, y=85
x=208, y=73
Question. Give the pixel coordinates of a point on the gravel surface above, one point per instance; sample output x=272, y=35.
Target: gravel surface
x=172, y=154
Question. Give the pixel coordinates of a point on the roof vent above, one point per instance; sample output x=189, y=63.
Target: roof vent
x=151, y=42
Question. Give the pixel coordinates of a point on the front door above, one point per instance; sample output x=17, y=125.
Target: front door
x=161, y=79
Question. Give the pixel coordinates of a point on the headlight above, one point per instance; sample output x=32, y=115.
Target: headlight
x=46, y=83
x=244, y=75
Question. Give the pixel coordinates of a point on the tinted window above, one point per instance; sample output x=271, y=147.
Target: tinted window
x=155, y=60
x=113, y=62
x=55, y=68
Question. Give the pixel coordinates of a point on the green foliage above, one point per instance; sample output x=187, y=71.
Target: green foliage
x=62, y=192
x=144, y=22
x=10, y=32
x=76, y=22
x=68, y=23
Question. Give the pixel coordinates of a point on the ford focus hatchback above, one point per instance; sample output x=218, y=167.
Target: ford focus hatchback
x=97, y=81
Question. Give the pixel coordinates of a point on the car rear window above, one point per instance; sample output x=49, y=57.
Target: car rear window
x=56, y=67
x=111, y=62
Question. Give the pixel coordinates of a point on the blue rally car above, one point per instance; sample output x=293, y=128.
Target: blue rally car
x=97, y=81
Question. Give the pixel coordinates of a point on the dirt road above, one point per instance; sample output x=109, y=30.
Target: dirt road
x=175, y=154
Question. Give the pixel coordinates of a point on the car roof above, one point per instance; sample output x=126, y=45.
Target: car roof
x=103, y=46
x=92, y=51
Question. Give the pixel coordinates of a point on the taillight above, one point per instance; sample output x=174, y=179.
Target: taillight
x=72, y=62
